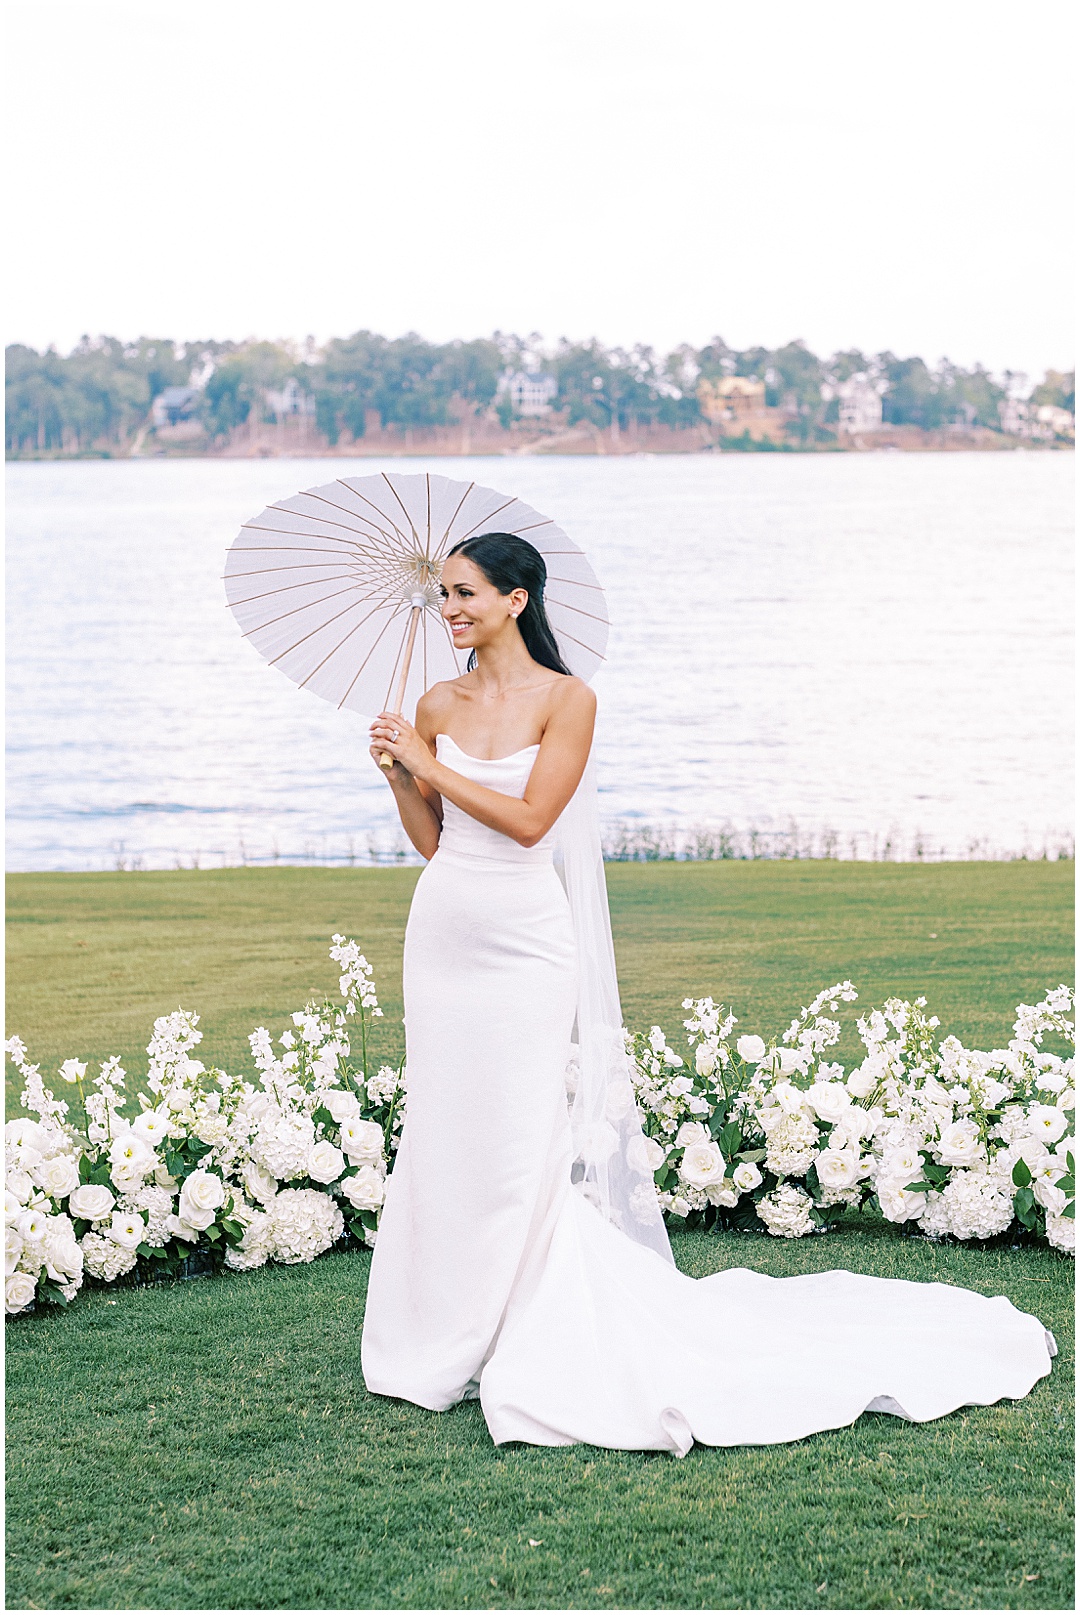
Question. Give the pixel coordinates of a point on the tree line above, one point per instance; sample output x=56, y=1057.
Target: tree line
x=99, y=395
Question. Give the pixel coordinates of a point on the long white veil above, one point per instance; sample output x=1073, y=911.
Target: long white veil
x=611, y=1167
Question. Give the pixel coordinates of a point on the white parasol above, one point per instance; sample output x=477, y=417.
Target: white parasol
x=339, y=585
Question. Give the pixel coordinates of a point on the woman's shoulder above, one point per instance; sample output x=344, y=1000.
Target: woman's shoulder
x=572, y=694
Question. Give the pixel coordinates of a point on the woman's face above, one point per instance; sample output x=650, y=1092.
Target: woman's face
x=473, y=607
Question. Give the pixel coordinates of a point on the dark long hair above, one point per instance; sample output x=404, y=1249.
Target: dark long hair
x=510, y=563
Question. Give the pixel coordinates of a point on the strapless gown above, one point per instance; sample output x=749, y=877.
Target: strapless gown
x=493, y=1276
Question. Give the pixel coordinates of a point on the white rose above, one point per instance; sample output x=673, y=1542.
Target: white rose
x=127, y=1229
x=702, y=1164
x=680, y=1207
x=722, y=1194
x=325, y=1163
x=19, y=1291
x=705, y=1060
x=751, y=1049
x=645, y=1154
x=259, y=1184
x=202, y=1194
x=179, y=1229
x=92, y=1202
x=365, y=1189
x=899, y=1204
x=25, y=1137
x=861, y=1083
x=692, y=1133
x=1047, y=1122
x=619, y=1099
x=902, y=1165
x=837, y=1169
x=13, y=1249
x=63, y=1258
x=362, y=1141
x=1066, y=1100
x=960, y=1145
x=792, y=1100
x=790, y=1060
x=1049, y=1195
x=829, y=1100
x=746, y=1176
x=341, y=1104
x=58, y=1175
x=152, y=1127
x=20, y=1186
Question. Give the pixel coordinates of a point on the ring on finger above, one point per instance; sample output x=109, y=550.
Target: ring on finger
x=394, y=733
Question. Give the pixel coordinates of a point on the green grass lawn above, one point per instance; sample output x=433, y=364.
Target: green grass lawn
x=211, y=1445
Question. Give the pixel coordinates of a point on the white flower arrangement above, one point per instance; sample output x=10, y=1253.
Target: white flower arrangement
x=956, y=1142
x=740, y=1133
x=234, y=1171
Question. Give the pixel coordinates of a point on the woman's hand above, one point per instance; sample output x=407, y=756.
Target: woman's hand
x=394, y=735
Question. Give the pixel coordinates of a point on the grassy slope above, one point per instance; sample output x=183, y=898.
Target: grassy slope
x=211, y=1445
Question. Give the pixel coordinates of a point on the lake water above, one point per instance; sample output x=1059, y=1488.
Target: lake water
x=875, y=649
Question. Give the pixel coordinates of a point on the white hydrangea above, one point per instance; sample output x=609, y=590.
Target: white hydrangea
x=972, y=1205
x=786, y=1211
x=156, y=1205
x=1061, y=1232
x=792, y=1144
x=104, y=1258
x=283, y=1144
x=306, y=1223
x=257, y=1245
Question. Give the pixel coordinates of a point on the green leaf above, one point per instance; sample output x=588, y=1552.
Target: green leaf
x=1021, y=1174
x=236, y=1229
x=729, y=1138
x=752, y=1155
x=322, y=1117
x=1070, y=1209
x=922, y=1187
x=213, y=1232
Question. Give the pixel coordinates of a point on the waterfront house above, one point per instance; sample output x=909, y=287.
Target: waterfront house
x=530, y=391
x=731, y=398
x=173, y=405
x=860, y=404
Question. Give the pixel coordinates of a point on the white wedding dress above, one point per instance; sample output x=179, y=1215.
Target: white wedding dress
x=495, y=1276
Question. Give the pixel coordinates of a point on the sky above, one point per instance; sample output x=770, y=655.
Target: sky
x=850, y=174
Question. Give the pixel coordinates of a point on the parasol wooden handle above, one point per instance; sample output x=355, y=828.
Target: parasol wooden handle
x=386, y=761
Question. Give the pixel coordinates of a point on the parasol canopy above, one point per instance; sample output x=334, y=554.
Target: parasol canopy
x=339, y=585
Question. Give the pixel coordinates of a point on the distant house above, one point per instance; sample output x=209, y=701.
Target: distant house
x=1019, y=417
x=173, y=405
x=731, y=398
x=530, y=392
x=290, y=400
x=860, y=404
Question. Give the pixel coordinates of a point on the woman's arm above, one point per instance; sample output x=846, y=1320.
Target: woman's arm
x=560, y=763
x=419, y=807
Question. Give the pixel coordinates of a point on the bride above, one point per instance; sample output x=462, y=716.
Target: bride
x=521, y=1255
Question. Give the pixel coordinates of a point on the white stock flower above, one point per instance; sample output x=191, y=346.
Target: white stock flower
x=58, y=1175
x=341, y=1104
x=1047, y=1123
x=19, y=1291
x=127, y=1229
x=325, y=1163
x=365, y=1189
x=202, y=1194
x=746, y=1176
x=692, y=1133
x=751, y=1049
x=93, y=1202
x=837, y=1169
x=828, y=1100
x=960, y=1145
x=701, y=1165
